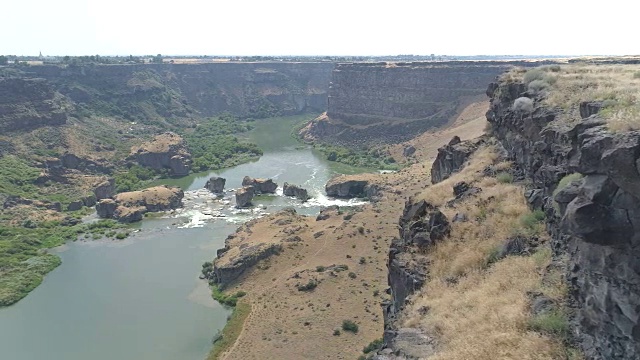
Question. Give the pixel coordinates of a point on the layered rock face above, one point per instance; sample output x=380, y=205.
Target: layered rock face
x=243, y=89
x=391, y=103
x=594, y=221
x=260, y=186
x=30, y=103
x=165, y=151
x=131, y=206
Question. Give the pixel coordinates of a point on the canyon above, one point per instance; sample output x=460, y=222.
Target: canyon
x=507, y=181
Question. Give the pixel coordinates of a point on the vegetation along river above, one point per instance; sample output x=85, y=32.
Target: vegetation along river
x=140, y=298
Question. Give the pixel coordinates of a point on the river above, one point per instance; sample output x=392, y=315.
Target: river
x=140, y=298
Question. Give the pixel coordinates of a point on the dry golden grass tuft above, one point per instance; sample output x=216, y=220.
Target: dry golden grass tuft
x=478, y=307
x=618, y=86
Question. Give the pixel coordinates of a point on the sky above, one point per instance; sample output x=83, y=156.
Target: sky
x=326, y=27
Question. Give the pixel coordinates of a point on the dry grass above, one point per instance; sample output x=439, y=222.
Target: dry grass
x=569, y=85
x=484, y=313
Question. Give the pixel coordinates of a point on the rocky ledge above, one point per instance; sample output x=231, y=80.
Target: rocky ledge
x=586, y=180
x=421, y=226
x=243, y=251
x=131, y=206
x=452, y=157
x=165, y=151
x=352, y=186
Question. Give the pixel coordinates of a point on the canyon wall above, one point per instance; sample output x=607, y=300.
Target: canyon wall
x=594, y=220
x=152, y=93
x=389, y=103
x=30, y=103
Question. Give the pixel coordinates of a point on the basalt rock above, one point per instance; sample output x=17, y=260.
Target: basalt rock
x=244, y=196
x=421, y=226
x=105, y=189
x=215, y=184
x=165, y=151
x=408, y=151
x=594, y=222
x=75, y=205
x=452, y=157
x=295, y=191
x=260, y=186
x=352, y=186
x=131, y=206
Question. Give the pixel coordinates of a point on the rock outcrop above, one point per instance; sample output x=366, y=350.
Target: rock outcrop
x=295, y=191
x=244, y=196
x=352, y=186
x=391, y=103
x=215, y=184
x=131, y=206
x=105, y=189
x=594, y=221
x=260, y=186
x=165, y=151
x=421, y=226
x=452, y=157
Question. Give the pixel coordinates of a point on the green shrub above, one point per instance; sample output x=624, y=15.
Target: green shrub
x=504, y=178
x=336, y=332
x=121, y=236
x=227, y=300
x=320, y=268
x=537, y=86
x=375, y=345
x=534, y=74
x=568, y=179
x=352, y=275
x=350, y=326
x=309, y=286
x=552, y=323
x=531, y=220
x=636, y=75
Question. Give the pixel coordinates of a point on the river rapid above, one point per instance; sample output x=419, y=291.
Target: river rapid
x=140, y=298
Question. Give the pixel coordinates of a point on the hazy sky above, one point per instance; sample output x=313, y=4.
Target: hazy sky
x=325, y=27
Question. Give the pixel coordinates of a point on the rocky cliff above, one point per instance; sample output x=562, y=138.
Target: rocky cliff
x=594, y=219
x=165, y=151
x=390, y=103
x=183, y=90
x=30, y=103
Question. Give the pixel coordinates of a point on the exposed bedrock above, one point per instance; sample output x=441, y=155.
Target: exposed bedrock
x=594, y=219
x=392, y=103
x=452, y=157
x=131, y=206
x=421, y=226
x=260, y=186
x=164, y=151
x=244, y=89
x=244, y=196
x=352, y=186
x=295, y=191
x=215, y=184
x=27, y=103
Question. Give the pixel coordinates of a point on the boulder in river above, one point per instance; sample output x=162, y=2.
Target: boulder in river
x=295, y=191
x=260, y=186
x=130, y=206
x=244, y=196
x=215, y=184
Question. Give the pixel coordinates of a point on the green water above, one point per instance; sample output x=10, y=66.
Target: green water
x=141, y=298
